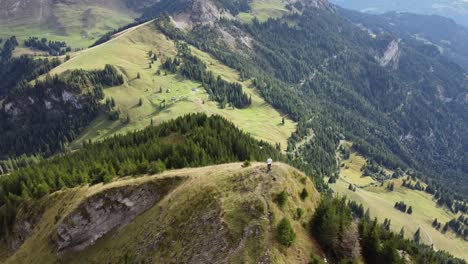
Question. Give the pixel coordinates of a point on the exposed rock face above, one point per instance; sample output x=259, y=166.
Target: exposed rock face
x=25, y=8
x=391, y=56
x=105, y=211
x=24, y=225
x=205, y=12
x=44, y=9
x=312, y=3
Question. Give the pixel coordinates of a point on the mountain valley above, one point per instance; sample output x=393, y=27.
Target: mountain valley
x=152, y=120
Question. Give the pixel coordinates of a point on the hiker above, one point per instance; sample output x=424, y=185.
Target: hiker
x=269, y=162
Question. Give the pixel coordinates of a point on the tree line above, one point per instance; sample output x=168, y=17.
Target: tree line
x=190, y=141
x=218, y=89
x=20, y=70
x=12, y=164
x=347, y=232
x=45, y=116
x=54, y=48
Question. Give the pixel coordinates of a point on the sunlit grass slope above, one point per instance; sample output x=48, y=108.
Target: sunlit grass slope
x=78, y=24
x=380, y=201
x=264, y=9
x=129, y=53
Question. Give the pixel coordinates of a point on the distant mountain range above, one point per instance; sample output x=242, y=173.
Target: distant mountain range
x=455, y=9
x=443, y=34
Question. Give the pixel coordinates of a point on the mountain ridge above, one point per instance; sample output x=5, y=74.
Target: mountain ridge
x=238, y=203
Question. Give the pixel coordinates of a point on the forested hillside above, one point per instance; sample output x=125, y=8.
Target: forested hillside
x=190, y=141
x=436, y=34
x=42, y=117
x=394, y=99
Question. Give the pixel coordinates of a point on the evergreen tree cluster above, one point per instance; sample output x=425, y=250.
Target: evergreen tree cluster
x=345, y=152
x=12, y=164
x=164, y=7
x=236, y=6
x=54, y=48
x=458, y=225
x=285, y=233
x=6, y=51
x=331, y=220
x=436, y=224
x=332, y=226
x=44, y=117
x=189, y=141
x=18, y=71
x=401, y=206
x=379, y=245
x=356, y=209
x=443, y=195
x=417, y=186
x=374, y=170
x=193, y=68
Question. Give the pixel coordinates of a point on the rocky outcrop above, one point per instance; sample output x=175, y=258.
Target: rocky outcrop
x=106, y=211
x=391, y=56
x=37, y=9
x=26, y=220
x=204, y=12
x=322, y=4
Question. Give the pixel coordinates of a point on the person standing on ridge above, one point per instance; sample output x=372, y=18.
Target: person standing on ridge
x=269, y=162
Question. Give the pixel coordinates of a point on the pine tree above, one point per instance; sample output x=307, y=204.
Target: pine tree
x=304, y=194
x=367, y=215
x=282, y=198
x=285, y=233
x=445, y=228
x=410, y=210
x=128, y=120
x=402, y=232
x=417, y=236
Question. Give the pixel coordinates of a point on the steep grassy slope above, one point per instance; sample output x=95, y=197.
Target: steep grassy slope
x=129, y=53
x=264, y=9
x=216, y=214
x=380, y=201
x=79, y=23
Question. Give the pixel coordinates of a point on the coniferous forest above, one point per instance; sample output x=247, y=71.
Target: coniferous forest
x=53, y=111
x=344, y=230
